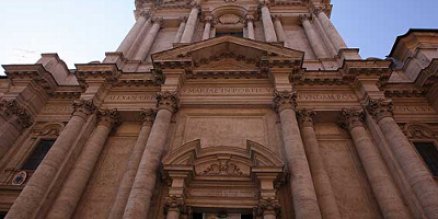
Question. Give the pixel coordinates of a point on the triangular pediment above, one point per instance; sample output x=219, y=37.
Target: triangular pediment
x=211, y=51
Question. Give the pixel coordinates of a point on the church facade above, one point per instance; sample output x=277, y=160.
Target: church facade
x=225, y=109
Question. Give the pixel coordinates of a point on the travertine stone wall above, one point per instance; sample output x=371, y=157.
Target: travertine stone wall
x=350, y=185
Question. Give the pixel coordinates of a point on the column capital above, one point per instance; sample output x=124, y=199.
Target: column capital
x=249, y=18
x=83, y=108
x=380, y=108
x=284, y=100
x=168, y=100
x=108, y=117
x=145, y=14
x=174, y=203
x=158, y=20
x=13, y=108
x=147, y=116
x=276, y=17
x=351, y=118
x=268, y=206
x=305, y=117
x=304, y=17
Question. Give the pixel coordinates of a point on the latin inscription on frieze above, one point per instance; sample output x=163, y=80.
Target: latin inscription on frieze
x=404, y=109
x=129, y=98
x=222, y=192
x=57, y=109
x=228, y=90
x=326, y=97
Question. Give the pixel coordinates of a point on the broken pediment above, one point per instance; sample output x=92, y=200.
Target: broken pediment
x=208, y=53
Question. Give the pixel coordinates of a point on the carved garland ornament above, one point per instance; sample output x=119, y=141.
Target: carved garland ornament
x=222, y=168
x=12, y=107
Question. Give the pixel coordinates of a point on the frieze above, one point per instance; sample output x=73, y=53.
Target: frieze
x=404, y=109
x=129, y=98
x=228, y=90
x=326, y=97
x=209, y=192
x=57, y=109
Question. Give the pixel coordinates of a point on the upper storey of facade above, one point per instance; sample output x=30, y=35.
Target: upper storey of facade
x=294, y=24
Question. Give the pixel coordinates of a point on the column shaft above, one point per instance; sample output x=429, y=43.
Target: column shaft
x=180, y=31
x=131, y=169
x=250, y=28
x=385, y=191
x=268, y=26
x=281, y=35
x=74, y=186
x=147, y=43
x=326, y=38
x=132, y=35
x=207, y=29
x=269, y=216
x=314, y=40
x=190, y=26
x=27, y=203
x=144, y=183
x=331, y=31
x=173, y=214
x=418, y=176
x=139, y=38
x=321, y=180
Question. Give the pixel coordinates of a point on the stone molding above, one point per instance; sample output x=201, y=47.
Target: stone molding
x=305, y=117
x=109, y=117
x=147, y=116
x=83, y=108
x=13, y=108
x=284, y=100
x=380, y=108
x=351, y=118
x=168, y=100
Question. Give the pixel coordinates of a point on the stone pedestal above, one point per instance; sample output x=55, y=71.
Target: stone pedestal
x=413, y=168
x=27, y=203
x=303, y=192
x=76, y=182
x=141, y=193
x=321, y=180
x=385, y=191
x=131, y=169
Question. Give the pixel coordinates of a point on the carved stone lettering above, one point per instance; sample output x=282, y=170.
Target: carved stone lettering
x=227, y=90
x=327, y=97
x=130, y=98
x=413, y=109
x=57, y=109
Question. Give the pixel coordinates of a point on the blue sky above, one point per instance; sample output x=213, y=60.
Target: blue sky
x=81, y=31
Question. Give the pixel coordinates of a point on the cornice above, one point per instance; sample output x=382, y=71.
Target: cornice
x=36, y=73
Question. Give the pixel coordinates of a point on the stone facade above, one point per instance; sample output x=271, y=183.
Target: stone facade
x=224, y=109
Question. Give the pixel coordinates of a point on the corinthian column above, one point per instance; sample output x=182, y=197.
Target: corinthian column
x=133, y=162
x=207, y=28
x=331, y=31
x=416, y=173
x=147, y=43
x=314, y=40
x=250, y=26
x=191, y=25
x=180, y=31
x=303, y=192
x=321, y=180
x=268, y=26
x=281, y=35
x=386, y=192
x=74, y=186
x=133, y=33
x=13, y=120
x=142, y=189
x=27, y=203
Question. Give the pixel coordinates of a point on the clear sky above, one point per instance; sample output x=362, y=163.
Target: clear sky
x=81, y=31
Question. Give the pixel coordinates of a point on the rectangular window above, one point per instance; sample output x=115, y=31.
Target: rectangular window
x=38, y=154
x=429, y=153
